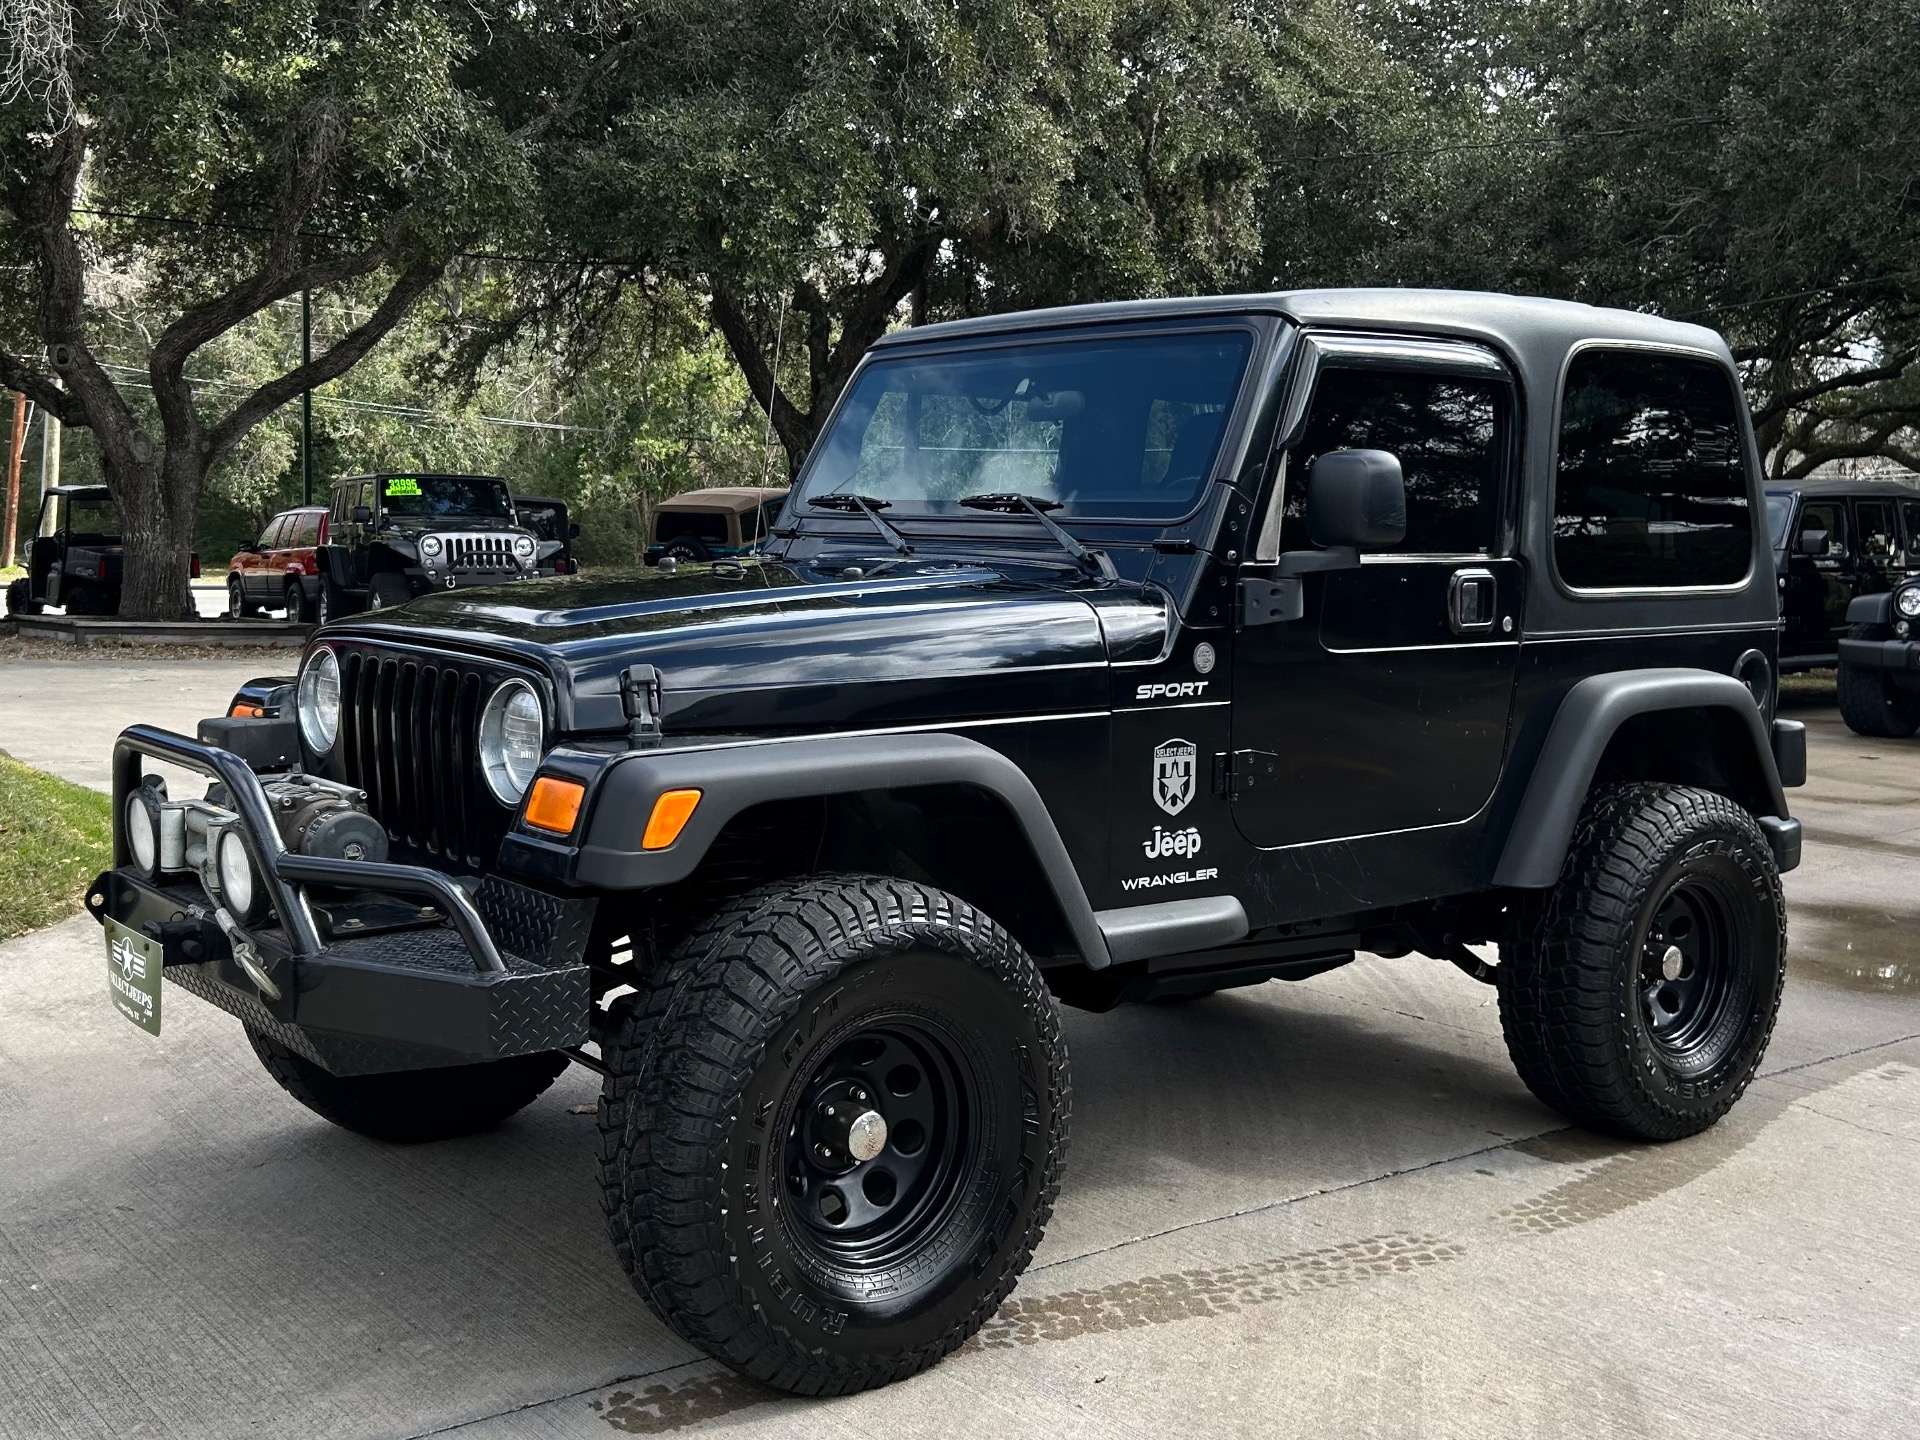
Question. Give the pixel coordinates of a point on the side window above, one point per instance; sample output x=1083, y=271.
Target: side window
x=1910, y=512
x=307, y=533
x=1651, y=485
x=270, y=537
x=1449, y=434
x=1879, y=535
x=1830, y=516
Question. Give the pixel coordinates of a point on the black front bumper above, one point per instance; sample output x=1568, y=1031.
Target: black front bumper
x=1899, y=655
x=481, y=972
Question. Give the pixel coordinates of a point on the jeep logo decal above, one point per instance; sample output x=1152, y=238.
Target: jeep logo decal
x=1174, y=764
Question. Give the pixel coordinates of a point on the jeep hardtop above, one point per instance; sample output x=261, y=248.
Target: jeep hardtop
x=1109, y=654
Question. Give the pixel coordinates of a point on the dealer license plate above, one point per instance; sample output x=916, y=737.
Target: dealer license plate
x=133, y=975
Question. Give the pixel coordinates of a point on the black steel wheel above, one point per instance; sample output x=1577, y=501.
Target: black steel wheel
x=1641, y=997
x=833, y=1130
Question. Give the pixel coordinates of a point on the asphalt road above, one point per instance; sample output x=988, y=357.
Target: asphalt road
x=1320, y=1209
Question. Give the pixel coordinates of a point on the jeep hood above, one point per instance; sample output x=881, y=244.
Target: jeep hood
x=763, y=646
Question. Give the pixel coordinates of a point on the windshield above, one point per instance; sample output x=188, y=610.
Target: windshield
x=435, y=495
x=1126, y=428
x=1778, y=508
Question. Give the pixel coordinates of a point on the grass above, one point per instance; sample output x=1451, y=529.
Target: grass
x=55, y=836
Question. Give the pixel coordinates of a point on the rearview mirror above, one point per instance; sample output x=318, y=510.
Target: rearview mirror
x=1355, y=498
x=362, y=515
x=1812, y=542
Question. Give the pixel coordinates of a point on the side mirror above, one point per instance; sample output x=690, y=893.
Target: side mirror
x=573, y=532
x=1811, y=542
x=1355, y=498
x=362, y=515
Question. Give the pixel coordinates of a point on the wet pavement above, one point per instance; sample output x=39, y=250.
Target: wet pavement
x=1322, y=1209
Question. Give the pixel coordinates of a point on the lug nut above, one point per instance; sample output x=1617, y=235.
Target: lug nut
x=823, y=1152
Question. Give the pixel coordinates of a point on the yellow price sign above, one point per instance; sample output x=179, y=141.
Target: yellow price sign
x=401, y=485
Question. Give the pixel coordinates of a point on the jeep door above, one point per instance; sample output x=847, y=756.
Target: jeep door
x=1825, y=582
x=1878, y=527
x=1385, y=707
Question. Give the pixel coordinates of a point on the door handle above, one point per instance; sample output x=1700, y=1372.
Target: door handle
x=1471, y=600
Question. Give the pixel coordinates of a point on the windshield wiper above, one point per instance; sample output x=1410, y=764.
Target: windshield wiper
x=868, y=506
x=1012, y=503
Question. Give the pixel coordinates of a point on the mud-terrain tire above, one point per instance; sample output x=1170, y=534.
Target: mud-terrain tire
x=728, y=1072
x=1872, y=703
x=388, y=590
x=1642, y=994
x=19, y=601
x=409, y=1107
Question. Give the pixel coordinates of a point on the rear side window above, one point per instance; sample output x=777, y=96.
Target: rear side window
x=306, y=531
x=1879, y=537
x=1910, y=512
x=1651, y=487
x=706, y=525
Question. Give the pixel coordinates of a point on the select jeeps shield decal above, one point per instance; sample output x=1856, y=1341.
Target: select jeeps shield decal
x=1175, y=763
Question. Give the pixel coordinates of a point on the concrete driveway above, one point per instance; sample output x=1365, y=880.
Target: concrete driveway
x=1320, y=1209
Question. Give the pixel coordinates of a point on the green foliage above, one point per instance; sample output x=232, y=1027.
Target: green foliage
x=56, y=837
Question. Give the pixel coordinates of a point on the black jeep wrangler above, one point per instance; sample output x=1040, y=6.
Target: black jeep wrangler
x=1107, y=654
x=392, y=537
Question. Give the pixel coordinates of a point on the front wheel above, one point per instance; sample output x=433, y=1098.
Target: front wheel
x=408, y=1107
x=1873, y=703
x=238, y=606
x=833, y=1130
x=387, y=591
x=1641, y=999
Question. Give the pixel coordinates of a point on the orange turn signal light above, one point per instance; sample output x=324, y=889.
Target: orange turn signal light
x=554, y=804
x=242, y=710
x=670, y=815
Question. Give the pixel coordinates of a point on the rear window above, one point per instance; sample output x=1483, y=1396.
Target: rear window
x=707, y=525
x=1651, y=487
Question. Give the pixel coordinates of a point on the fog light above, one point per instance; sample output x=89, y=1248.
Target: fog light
x=1900, y=628
x=240, y=890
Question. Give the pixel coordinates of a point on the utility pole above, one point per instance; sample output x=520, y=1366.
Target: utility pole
x=50, y=430
x=306, y=400
x=12, y=534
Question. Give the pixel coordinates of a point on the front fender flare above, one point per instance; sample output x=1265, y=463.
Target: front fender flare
x=1596, y=707
x=731, y=778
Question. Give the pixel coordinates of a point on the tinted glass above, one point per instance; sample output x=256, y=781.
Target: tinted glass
x=1879, y=532
x=1125, y=428
x=1829, y=516
x=1910, y=512
x=445, y=495
x=709, y=526
x=1447, y=433
x=306, y=531
x=270, y=537
x=1651, y=488
x=1779, y=507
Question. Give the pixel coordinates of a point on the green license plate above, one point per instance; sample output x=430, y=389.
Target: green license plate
x=133, y=975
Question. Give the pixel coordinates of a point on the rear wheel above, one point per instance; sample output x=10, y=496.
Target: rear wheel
x=411, y=1106
x=238, y=606
x=1641, y=999
x=832, y=1131
x=1873, y=702
x=297, y=603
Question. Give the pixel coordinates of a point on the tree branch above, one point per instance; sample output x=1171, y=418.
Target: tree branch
x=1892, y=369
x=16, y=374
x=340, y=357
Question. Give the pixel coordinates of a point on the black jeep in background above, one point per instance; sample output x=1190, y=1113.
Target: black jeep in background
x=1105, y=654
x=1835, y=540
x=75, y=559
x=391, y=537
x=547, y=518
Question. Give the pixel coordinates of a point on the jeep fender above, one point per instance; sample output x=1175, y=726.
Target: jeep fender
x=1586, y=722
x=1871, y=609
x=731, y=778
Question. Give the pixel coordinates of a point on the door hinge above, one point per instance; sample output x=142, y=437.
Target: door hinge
x=1237, y=772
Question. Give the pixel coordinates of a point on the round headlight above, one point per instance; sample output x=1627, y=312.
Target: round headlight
x=511, y=730
x=1907, y=601
x=429, y=544
x=237, y=888
x=319, y=701
x=523, y=546
x=143, y=835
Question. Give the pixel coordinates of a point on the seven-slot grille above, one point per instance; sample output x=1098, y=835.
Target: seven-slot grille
x=408, y=734
x=479, y=552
